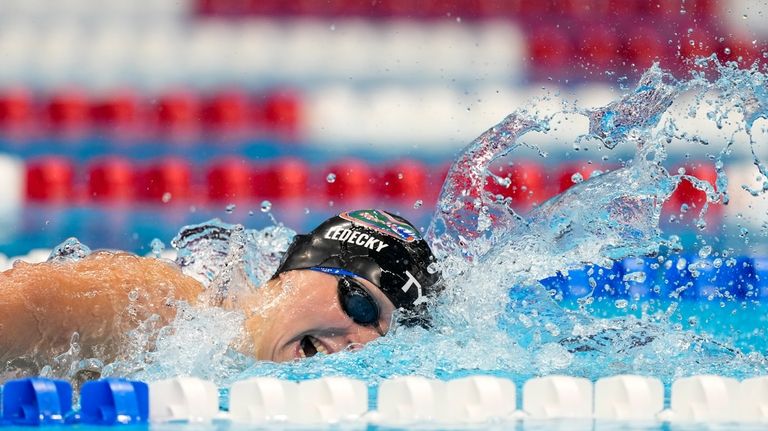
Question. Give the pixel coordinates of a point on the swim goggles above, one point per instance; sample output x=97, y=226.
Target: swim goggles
x=354, y=299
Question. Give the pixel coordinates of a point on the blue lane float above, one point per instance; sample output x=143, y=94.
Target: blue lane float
x=36, y=401
x=114, y=402
x=678, y=276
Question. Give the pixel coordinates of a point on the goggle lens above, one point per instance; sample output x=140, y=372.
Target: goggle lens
x=357, y=302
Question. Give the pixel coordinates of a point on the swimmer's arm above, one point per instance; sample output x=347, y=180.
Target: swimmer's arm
x=100, y=297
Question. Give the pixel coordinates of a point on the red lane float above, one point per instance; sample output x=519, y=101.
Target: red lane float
x=282, y=179
x=68, y=110
x=230, y=179
x=119, y=110
x=405, y=180
x=111, y=179
x=166, y=181
x=349, y=180
x=50, y=179
x=16, y=108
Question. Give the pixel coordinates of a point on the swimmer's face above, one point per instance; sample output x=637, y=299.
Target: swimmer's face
x=304, y=317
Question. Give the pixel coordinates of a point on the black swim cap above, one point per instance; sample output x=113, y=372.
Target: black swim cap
x=380, y=247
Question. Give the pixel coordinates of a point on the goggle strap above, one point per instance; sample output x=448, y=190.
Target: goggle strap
x=335, y=271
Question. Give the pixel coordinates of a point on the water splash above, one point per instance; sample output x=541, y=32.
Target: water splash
x=70, y=250
x=495, y=316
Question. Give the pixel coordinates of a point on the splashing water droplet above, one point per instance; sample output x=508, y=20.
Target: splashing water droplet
x=621, y=303
x=331, y=178
x=157, y=247
x=229, y=209
x=637, y=276
x=166, y=197
x=577, y=178
x=418, y=204
x=705, y=251
x=266, y=206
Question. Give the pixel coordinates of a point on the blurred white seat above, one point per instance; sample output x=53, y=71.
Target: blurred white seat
x=744, y=209
x=205, y=54
x=705, y=398
x=591, y=96
x=331, y=400
x=499, y=52
x=479, y=399
x=628, y=398
x=558, y=397
x=255, y=51
x=303, y=49
x=448, y=52
x=352, y=49
x=262, y=399
x=335, y=116
x=108, y=61
x=185, y=399
x=57, y=56
x=17, y=43
x=157, y=61
x=402, y=52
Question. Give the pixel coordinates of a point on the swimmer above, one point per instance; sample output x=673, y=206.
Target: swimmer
x=340, y=286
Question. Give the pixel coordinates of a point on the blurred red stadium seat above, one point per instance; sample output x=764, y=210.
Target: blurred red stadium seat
x=599, y=48
x=111, y=179
x=643, y=46
x=50, y=179
x=550, y=49
x=696, y=43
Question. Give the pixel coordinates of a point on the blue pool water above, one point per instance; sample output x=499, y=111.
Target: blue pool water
x=496, y=316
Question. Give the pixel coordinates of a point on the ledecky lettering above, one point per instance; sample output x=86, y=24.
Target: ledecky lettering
x=355, y=237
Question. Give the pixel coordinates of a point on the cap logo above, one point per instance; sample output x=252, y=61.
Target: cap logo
x=413, y=282
x=383, y=223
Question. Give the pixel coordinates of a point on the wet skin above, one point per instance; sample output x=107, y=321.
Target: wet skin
x=107, y=294
x=303, y=306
